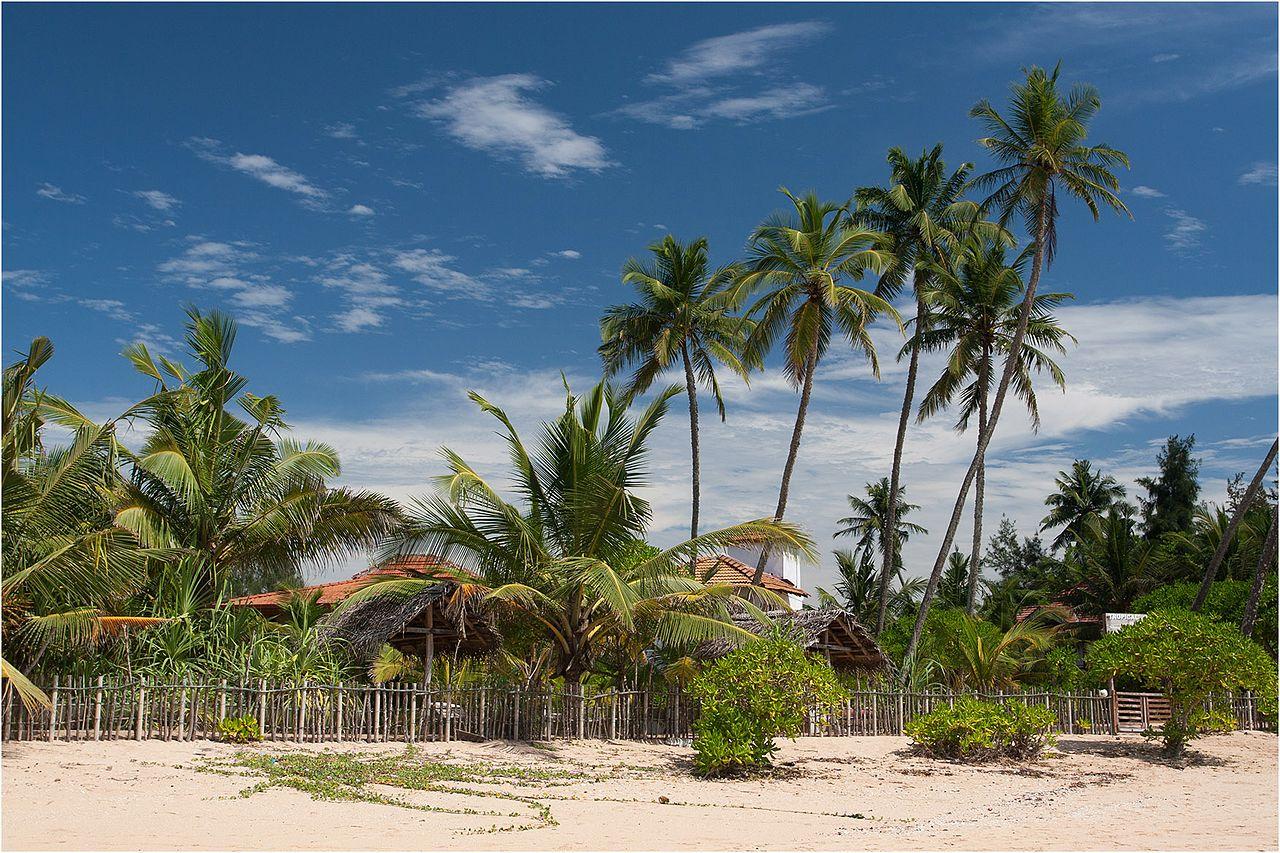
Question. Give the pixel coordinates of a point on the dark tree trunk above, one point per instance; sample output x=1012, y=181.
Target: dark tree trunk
x=984, y=437
x=1211, y=570
x=890, y=547
x=979, y=490
x=692, y=387
x=1264, y=563
x=810, y=368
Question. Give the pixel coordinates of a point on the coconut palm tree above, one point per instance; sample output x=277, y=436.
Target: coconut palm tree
x=685, y=313
x=858, y=587
x=803, y=260
x=973, y=657
x=66, y=568
x=564, y=557
x=974, y=314
x=869, y=523
x=1266, y=558
x=1083, y=494
x=928, y=222
x=1211, y=567
x=1042, y=148
x=246, y=503
x=1116, y=565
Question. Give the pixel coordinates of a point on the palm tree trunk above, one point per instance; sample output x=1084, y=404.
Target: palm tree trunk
x=1211, y=570
x=692, y=388
x=1259, y=576
x=890, y=561
x=810, y=368
x=984, y=435
x=979, y=489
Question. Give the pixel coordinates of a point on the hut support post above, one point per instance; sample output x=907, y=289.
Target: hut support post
x=429, y=649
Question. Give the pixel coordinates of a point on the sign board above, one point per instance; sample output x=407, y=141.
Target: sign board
x=1113, y=622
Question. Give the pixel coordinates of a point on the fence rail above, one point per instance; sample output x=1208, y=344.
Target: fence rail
x=107, y=709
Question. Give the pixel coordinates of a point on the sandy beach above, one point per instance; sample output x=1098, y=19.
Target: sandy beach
x=846, y=793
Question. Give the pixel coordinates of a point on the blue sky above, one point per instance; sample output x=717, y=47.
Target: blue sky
x=403, y=202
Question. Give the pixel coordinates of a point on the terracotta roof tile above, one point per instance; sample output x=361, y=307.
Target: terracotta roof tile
x=332, y=593
x=725, y=569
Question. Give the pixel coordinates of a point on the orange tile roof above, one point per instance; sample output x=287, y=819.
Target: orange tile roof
x=332, y=593
x=725, y=569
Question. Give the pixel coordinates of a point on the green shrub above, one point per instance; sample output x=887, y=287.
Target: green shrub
x=1224, y=603
x=753, y=695
x=1186, y=657
x=977, y=730
x=239, y=729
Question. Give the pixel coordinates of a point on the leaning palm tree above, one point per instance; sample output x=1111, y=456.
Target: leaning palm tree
x=563, y=557
x=804, y=260
x=975, y=312
x=247, y=504
x=928, y=222
x=1083, y=493
x=66, y=568
x=1042, y=146
x=685, y=313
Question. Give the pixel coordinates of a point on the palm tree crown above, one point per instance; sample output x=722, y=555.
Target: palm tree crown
x=1083, y=493
x=869, y=523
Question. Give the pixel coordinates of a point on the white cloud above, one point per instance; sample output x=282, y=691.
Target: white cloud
x=751, y=50
x=495, y=115
x=158, y=199
x=1185, y=232
x=262, y=168
x=341, y=130
x=710, y=77
x=571, y=254
x=1139, y=361
x=1166, y=57
x=434, y=270
x=1263, y=174
x=1146, y=192
x=230, y=269
x=360, y=210
x=367, y=292
x=54, y=193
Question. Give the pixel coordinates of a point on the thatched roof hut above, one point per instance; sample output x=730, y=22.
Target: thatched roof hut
x=830, y=632
x=421, y=625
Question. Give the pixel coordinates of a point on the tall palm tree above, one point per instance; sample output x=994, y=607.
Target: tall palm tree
x=928, y=222
x=870, y=525
x=1082, y=494
x=858, y=587
x=1266, y=558
x=803, y=259
x=1042, y=146
x=974, y=314
x=564, y=557
x=66, y=568
x=1211, y=568
x=246, y=503
x=685, y=312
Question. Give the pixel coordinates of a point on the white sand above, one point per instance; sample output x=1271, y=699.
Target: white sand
x=1098, y=793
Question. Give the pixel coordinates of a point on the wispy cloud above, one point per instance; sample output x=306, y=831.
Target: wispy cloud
x=736, y=53
x=367, y=292
x=261, y=167
x=719, y=79
x=571, y=254
x=56, y=193
x=438, y=272
x=158, y=199
x=360, y=210
x=497, y=116
x=1146, y=192
x=1185, y=231
x=230, y=269
x=1263, y=174
x=341, y=130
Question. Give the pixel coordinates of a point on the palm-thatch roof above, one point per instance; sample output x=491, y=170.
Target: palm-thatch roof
x=830, y=632
x=405, y=622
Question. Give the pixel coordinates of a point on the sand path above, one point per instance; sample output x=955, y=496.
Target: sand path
x=831, y=793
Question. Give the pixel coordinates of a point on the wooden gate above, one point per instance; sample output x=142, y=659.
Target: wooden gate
x=1137, y=712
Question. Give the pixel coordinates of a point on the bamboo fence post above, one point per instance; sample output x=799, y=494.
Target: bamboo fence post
x=53, y=711
x=339, y=703
x=222, y=699
x=182, y=711
x=142, y=693
x=613, y=716
x=262, y=706
x=97, y=711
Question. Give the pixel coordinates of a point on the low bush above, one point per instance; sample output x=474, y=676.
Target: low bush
x=753, y=695
x=239, y=729
x=976, y=730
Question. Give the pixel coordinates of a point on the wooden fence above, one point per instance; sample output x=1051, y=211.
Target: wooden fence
x=102, y=709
